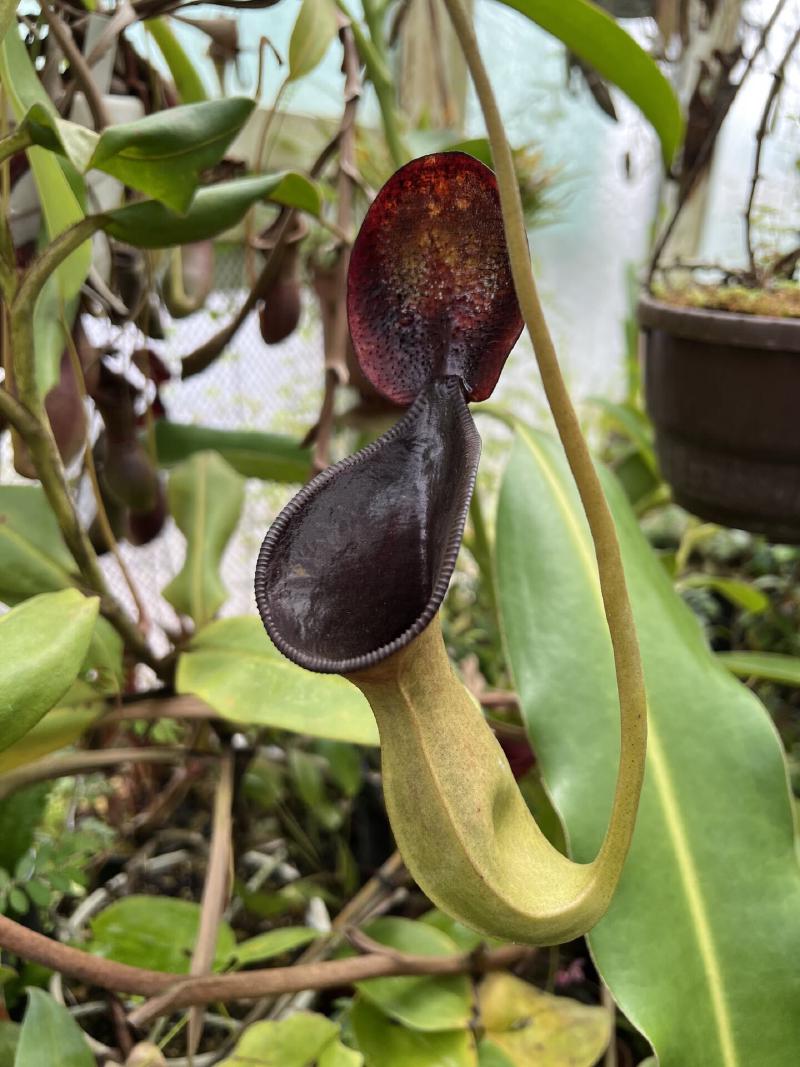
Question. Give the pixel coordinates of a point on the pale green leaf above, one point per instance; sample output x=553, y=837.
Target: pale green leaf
x=60, y=727
x=158, y=933
x=188, y=83
x=206, y=497
x=50, y=1035
x=710, y=895
x=270, y=944
x=44, y=642
x=33, y=556
x=537, y=1029
x=739, y=593
x=338, y=1055
x=313, y=32
x=385, y=1044
x=60, y=205
x=593, y=35
x=294, y=1042
x=771, y=666
x=420, y=1003
x=234, y=667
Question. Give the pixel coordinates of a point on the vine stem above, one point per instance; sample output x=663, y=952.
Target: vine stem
x=627, y=660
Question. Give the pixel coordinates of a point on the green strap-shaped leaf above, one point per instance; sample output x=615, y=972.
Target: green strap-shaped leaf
x=215, y=208
x=44, y=642
x=232, y=665
x=33, y=556
x=771, y=666
x=56, y=183
x=50, y=1035
x=593, y=35
x=206, y=497
x=385, y=1044
x=270, y=456
x=188, y=82
x=700, y=945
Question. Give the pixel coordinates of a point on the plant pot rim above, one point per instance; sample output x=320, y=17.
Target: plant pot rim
x=719, y=327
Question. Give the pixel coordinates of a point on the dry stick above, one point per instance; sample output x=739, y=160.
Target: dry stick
x=627, y=660
x=34, y=428
x=205, y=355
x=774, y=91
x=336, y=354
x=707, y=146
x=84, y=763
x=79, y=66
x=215, y=892
x=102, y=514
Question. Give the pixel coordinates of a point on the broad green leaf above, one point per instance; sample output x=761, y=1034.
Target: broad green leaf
x=771, y=666
x=466, y=940
x=385, y=1044
x=206, y=497
x=154, y=932
x=270, y=456
x=593, y=35
x=61, y=209
x=44, y=641
x=738, y=593
x=234, y=667
x=59, y=728
x=188, y=82
x=337, y=1055
x=313, y=32
x=214, y=209
x=710, y=895
x=9, y=1038
x=489, y=1055
x=537, y=1029
x=33, y=556
x=20, y=815
x=103, y=667
x=50, y=1035
x=420, y=1003
x=163, y=155
x=272, y=943
x=294, y=1042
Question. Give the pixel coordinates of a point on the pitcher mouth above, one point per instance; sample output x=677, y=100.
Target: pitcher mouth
x=358, y=563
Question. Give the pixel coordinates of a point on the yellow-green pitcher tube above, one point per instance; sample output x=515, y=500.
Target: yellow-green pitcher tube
x=459, y=819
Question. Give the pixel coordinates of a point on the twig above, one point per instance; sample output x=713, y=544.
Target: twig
x=774, y=91
x=215, y=891
x=84, y=763
x=78, y=65
x=204, y=356
x=173, y=707
x=336, y=336
x=102, y=514
x=708, y=144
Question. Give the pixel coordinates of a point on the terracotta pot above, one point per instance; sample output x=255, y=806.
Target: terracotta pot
x=723, y=391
